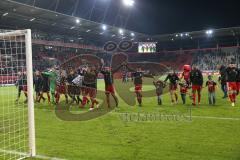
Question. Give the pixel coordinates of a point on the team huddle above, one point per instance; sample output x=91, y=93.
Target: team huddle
x=82, y=82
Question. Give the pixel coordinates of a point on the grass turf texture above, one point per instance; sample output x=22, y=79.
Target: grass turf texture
x=109, y=137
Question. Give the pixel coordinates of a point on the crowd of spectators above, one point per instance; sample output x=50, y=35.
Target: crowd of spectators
x=212, y=59
x=207, y=60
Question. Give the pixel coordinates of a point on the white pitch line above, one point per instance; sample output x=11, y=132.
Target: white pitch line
x=200, y=117
x=218, y=118
x=26, y=155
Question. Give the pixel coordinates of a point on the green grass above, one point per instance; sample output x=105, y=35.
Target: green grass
x=109, y=137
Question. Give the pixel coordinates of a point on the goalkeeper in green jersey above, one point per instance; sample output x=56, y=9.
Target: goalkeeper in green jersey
x=52, y=74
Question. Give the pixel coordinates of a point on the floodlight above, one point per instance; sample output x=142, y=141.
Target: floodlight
x=5, y=14
x=77, y=21
x=104, y=27
x=32, y=19
x=209, y=32
x=120, y=31
x=128, y=3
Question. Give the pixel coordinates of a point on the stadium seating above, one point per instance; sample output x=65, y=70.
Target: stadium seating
x=206, y=60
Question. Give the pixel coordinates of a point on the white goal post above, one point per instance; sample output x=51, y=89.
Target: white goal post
x=17, y=124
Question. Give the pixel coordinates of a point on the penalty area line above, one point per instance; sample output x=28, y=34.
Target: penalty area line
x=26, y=155
x=199, y=117
x=217, y=118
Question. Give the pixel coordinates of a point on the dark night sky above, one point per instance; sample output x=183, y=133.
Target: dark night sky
x=170, y=16
x=157, y=16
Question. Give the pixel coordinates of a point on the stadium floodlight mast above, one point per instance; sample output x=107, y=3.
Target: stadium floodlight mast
x=128, y=3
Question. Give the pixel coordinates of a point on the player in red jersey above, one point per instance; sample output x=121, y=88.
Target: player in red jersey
x=231, y=74
x=196, y=79
x=138, y=81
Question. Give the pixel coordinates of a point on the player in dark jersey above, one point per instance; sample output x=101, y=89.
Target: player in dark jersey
x=109, y=83
x=62, y=88
x=196, y=79
x=45, y=88
x=231, y=78
x=38, y=85
x=138, y=81
x=70, y=86
x=22, y=85
x=173, y=79
x=238, y=81
x=19, y=87
x=90, y=87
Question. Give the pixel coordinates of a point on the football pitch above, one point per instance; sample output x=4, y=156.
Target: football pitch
x=203, y=132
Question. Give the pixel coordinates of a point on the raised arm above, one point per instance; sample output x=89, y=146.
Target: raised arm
x=166, y=79
x=46, y=73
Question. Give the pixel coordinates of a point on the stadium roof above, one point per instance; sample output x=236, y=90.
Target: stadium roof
x=217, y=33
x=26, y=16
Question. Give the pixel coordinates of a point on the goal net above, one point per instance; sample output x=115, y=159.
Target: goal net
x=17, y=132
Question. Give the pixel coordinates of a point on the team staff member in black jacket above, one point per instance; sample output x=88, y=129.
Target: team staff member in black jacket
x=173, y=79
x=222, y=80
x=196, y=79
x=231, y=74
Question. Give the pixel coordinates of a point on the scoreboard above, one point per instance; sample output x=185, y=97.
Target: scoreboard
x=147, y=47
